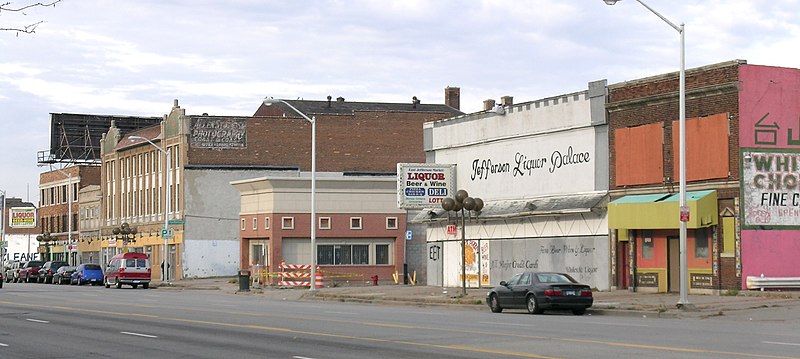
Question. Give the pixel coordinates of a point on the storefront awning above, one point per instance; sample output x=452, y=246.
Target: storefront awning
x=540, y=206
x=661, y=211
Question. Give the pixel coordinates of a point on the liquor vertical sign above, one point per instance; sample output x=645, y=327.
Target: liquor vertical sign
x=424, y=185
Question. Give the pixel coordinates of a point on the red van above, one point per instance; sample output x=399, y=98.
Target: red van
x=128, y=268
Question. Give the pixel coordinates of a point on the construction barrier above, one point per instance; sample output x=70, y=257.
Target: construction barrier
x=299, y=275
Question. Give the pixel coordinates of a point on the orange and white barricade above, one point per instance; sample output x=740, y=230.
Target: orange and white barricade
x=299, y=275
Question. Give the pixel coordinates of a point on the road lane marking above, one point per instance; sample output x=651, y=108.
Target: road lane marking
x=139, y=334
x=780, y=343
x=344, y=313
x=3, y=345
x=37, y=321
x=299, y=357
x=419, y=344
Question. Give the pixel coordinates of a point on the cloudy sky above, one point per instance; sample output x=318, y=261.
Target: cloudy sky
x=127, y=57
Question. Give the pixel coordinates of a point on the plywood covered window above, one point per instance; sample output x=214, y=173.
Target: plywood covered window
x=707, y=155
x=639, y=155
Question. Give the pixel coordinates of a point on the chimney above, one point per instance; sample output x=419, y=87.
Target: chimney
x=452, y=97
x=329, y=100
x=507, y=100
x=488, y=105
x=414, y=101
x=340, y=99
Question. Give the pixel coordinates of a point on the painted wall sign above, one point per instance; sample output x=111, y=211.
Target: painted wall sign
x=218, y=133
x=771, y=188
x=22, y=217
x=647, y=279
x=424, y=185
x=540, y=165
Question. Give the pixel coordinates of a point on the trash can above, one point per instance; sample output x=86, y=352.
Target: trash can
x=244, y=280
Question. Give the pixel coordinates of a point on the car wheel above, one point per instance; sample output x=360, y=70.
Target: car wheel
x=494, y=305
x=135, y=286
x=117, y=283
x=1, y=283
x=106, y=283
x=579, y=311
x=146, y=285
x=533, y=305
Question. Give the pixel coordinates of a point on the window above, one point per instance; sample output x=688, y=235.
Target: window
x=701, y=243
x=343, y=254
x=255, y=223
x=381, y=254
x=355, y=222
x=391, y=222
x=266, y=222
x=287, y=222
x=324, y=222
x=242, y=223
x=647, y=244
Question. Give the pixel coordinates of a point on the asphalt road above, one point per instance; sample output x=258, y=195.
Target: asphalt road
x=50, y=321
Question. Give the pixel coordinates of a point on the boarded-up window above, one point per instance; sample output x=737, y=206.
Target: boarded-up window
x=639, y=155
x=706, y=147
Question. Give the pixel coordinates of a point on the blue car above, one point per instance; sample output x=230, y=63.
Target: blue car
x=87, y=273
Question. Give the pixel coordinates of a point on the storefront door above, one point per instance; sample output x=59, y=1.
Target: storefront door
x=673, y=264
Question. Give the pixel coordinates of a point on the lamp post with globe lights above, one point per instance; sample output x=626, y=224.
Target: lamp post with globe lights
x=461, y=203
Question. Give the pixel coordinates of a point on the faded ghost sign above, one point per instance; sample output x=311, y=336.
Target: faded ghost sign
x=218, y=133
x=771, y=188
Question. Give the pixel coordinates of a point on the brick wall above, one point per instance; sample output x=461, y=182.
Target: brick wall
x=361, y=142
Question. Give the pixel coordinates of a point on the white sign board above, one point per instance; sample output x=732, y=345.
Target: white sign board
x=22, y=217
x=770, y=188
x=424, y=185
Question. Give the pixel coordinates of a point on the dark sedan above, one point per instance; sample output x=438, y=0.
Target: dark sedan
x=63, y=274
x=540, y=291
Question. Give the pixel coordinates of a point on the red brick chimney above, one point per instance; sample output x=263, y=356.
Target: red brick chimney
x=452, y=97
x=488, y=104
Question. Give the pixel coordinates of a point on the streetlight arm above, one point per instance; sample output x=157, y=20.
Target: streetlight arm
x=676, y=27
x=269, y=101
x=148, y=141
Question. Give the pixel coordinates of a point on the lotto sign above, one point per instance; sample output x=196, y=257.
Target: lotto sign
x=451, y=229
x=424, y=185
x=22, y=217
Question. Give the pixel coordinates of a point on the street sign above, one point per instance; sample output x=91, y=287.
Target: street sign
x=684, y=214
x=167, y=233
x=3, y=244
x=409, y=235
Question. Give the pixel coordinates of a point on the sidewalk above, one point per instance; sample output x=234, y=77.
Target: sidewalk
x=620, y=302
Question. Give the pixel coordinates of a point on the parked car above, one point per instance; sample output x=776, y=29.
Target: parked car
x=87, y=273
x=540, y=291
x=2, y=279
x=29, y=272
x=10, y=271
x=48, y=269
x=63, y=274
x=128, y=268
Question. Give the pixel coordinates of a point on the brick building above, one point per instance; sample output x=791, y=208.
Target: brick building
x=209, y=152
x=58, y=213
x=643, y=213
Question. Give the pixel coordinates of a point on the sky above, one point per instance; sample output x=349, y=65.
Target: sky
x=134, y=57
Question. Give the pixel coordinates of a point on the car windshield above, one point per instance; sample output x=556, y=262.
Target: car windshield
x=66, y=269
x=35, y=263
x=91, y=267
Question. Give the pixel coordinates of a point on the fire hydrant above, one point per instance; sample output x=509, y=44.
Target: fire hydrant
x=375, y=279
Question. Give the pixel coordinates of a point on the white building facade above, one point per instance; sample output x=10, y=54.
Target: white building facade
x=541, y=168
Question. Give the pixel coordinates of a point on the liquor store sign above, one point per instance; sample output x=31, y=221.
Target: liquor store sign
x=424, y=185
x=22, y=217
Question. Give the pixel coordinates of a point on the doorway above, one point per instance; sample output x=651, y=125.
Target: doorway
x=623, y=265
x=673, y=264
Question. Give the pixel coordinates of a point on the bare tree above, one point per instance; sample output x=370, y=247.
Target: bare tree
x=27, y=29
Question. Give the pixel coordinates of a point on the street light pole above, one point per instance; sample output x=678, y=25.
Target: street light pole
x=3, y=228
x=461, y=202
x=269, y=101
x=683, y=302
x=168, y=155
